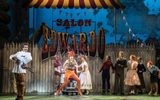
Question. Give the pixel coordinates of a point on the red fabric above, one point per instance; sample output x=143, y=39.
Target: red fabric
x=106, y=65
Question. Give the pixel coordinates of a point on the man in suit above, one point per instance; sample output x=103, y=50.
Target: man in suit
x=120, y=65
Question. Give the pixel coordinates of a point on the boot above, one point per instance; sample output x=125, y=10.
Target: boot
x=19, y=98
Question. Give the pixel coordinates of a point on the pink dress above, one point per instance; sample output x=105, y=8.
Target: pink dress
x=132, y=76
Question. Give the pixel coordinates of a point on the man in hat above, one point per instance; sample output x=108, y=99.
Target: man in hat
x=70, y=65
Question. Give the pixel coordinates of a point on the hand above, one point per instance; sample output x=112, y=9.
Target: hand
x=17, y=61
x=24, y=66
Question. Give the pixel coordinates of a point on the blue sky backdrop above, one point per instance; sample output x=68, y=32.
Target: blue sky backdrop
x=140, y=19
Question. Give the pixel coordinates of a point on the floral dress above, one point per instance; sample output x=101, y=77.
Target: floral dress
x=131, y=75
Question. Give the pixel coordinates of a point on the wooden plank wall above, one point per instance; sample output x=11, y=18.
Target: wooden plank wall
x=1, y=69
x=42, y=80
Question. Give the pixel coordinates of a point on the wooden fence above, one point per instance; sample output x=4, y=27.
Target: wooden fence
x=42, y=80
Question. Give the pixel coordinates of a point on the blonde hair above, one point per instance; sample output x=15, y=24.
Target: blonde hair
x=133, y=57
x=23, y=44
x=121, y=53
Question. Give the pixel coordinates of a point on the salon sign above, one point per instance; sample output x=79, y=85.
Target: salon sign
x=73, y=22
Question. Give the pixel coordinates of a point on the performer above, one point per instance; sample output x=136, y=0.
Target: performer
x=158, y=65
x=120, y=64
x=106, y=74
x=140, y=70
x=21, y=58
x=132, y=78
x=70, y=66
x=58, y=70
x=154, y=70
x=85, y=77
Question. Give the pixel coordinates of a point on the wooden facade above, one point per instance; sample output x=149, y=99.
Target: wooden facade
x=42, y=80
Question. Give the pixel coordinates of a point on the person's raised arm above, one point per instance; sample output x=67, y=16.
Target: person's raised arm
x=102, y=67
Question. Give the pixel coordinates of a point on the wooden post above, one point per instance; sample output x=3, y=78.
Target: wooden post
x=115, y=27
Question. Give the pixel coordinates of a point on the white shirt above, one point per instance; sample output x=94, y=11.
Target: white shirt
x=24, y=57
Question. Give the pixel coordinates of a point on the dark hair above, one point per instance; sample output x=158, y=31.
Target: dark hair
x=139, y=58
x=22, y=45
x=109, y=57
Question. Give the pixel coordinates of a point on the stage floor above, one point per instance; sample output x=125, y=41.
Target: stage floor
x=88, y=97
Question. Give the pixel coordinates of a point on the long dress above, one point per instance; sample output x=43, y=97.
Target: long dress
x=85, y=77
x=132, y=76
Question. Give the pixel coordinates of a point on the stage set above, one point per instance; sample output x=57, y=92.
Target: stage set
x=103, y=49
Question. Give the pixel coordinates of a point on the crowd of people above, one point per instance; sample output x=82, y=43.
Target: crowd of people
x=130, y=82
x=132, y=79
x=71, y=69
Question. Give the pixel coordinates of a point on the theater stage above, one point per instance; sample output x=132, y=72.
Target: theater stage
x=88, y=97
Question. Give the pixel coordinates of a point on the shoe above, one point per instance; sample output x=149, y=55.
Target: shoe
x=114, y=93
x=87, y=92
x=121, y=93
x=155, y=94
x=19, y=98
x=80, y=94
x=55, y=94
x=108, y=91
x=131, y=92
x=150, y=93
x=140, y=92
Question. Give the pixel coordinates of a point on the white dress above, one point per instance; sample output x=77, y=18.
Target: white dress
x=85, y=77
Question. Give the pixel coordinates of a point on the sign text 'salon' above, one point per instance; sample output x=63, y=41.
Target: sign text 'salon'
x=73, y=22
